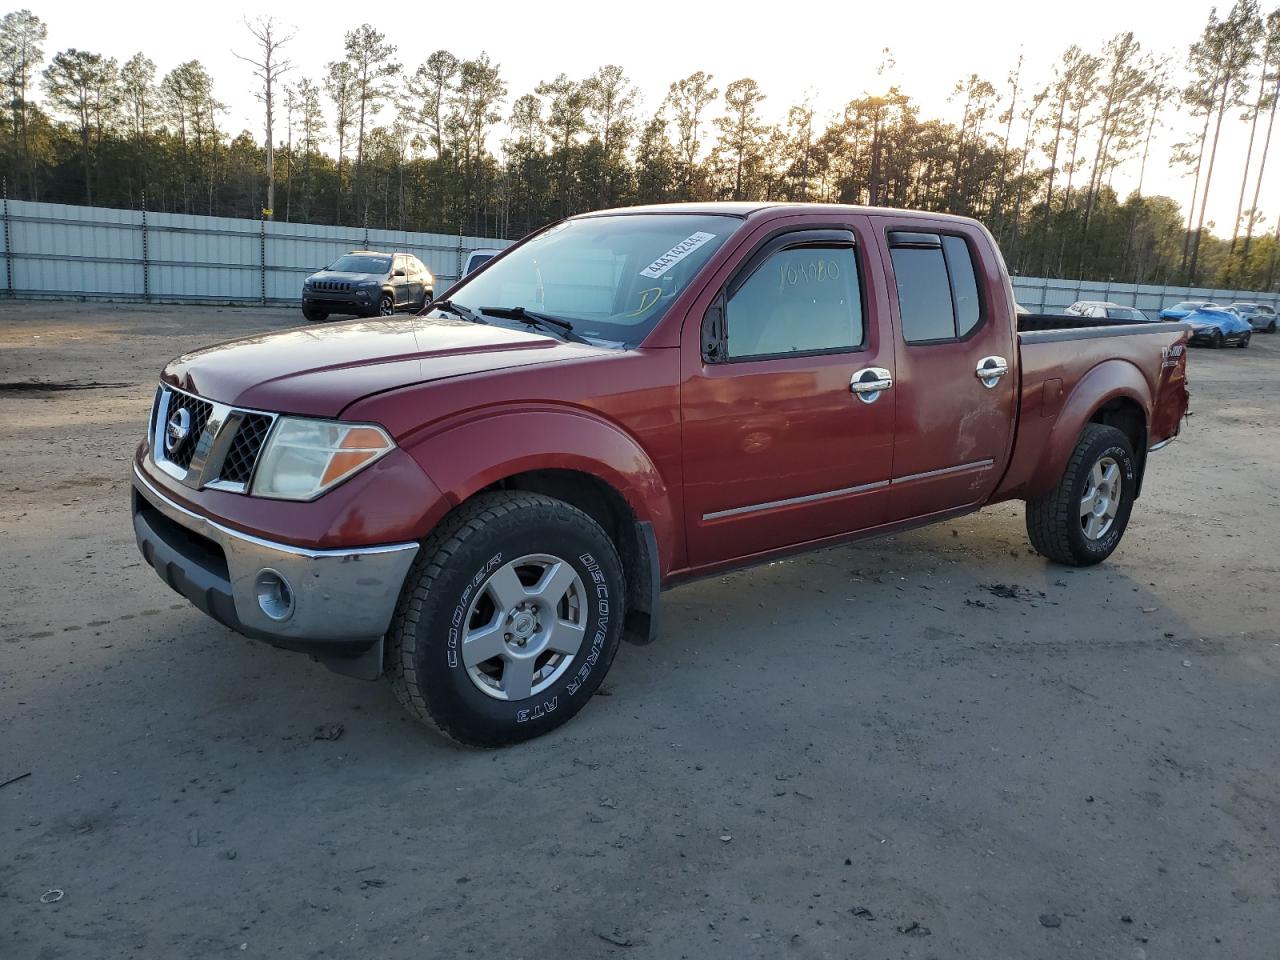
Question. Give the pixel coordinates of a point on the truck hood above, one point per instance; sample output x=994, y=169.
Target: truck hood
x=320, y=370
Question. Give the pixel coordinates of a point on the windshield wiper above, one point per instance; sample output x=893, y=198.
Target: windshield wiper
x=542, y=320
x=458, y=310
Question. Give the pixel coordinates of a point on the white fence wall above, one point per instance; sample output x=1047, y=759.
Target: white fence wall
x=1041, y=295
x=54, y=250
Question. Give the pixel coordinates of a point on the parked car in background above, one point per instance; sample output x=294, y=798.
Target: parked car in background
x=1106, y=310
x=1218, y=327
x=1260, y=316
x=366, y=283
x=1180, y=310
x=485, y=500
x=477, y=259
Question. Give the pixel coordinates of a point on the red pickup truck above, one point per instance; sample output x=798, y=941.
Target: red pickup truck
x=483, y=500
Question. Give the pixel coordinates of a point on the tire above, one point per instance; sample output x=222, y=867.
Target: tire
x=1057, y=524
x=427, y=297
x=1271, y=327
x=452, y=597
x=1244, y=342
x=386, y=305
x=1217, y=341
x=314, y=315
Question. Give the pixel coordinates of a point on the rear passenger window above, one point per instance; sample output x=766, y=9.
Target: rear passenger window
x=937, y=286
x=801, y=300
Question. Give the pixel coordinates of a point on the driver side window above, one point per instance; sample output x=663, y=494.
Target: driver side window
x=802, y=299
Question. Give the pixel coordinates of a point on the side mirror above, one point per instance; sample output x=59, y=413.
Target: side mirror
x=715, y=339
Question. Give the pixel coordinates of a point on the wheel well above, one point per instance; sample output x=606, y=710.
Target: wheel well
x=1126, y=416
x=607, y=507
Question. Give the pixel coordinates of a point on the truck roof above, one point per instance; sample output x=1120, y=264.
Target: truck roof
x=748, y=208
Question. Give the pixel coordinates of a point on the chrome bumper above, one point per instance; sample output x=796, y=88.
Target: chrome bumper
x=342, y=600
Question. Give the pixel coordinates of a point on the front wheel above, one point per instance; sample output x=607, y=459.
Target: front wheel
x=386, y=305
x=1217, y=341
x=1271, y=327
x=314, y=315
x=1080, y=522
x=509, y=619
x=1244, y=342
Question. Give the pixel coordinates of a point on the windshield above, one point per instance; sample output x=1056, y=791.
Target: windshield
x=612, y=277
x=1245, y=308
x=357, y=263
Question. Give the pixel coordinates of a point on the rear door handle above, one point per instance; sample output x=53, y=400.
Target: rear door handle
x=869, y=382
x=990, y=370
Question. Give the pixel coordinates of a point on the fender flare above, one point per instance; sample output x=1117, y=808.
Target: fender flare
x=1110, y=380
x=474, y=453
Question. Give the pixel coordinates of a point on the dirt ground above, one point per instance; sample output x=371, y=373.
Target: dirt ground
x=931, y=746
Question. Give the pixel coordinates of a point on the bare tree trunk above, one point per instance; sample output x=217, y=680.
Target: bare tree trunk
x=1208, y=180
x=1195, y=190
x=1244, y=178
x=1262, y=166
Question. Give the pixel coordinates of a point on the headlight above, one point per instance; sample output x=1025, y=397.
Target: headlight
x=304, y=458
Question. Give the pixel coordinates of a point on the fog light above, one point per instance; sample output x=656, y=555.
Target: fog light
x=274, y=595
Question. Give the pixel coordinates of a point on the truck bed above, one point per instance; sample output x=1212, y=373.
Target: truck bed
x=1065, y=326
x=1057, y=352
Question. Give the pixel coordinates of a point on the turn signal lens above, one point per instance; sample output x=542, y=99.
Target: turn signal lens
x=304, y=458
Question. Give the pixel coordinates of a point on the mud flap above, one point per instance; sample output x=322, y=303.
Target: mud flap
x=645, y=588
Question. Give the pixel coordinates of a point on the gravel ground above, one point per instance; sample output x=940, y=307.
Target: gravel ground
x=933, y=745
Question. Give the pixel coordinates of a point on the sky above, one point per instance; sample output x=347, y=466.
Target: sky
x=826, y=52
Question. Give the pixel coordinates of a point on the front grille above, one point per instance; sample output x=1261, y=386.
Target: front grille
x=228, y=441
x=339, y=286
x=245, y=447
x=199, y=411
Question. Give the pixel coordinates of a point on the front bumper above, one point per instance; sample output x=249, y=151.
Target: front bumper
x=342, y=600
x=336, y=302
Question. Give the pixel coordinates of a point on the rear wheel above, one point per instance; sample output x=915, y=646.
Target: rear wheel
x=1080, y=522
x=509, y=619
x=314, y=315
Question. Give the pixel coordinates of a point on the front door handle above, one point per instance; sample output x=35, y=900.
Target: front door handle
x=990, y=370
x=869, y=382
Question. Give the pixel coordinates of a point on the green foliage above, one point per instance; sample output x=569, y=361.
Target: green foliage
x=441, y=146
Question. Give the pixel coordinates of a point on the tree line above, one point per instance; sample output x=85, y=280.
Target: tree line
x=444, y=146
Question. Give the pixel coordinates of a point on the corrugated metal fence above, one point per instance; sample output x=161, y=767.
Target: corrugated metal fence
x=1040, y=295
x=55, y=250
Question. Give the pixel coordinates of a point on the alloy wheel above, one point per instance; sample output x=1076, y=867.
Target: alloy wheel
x=1101, y=500
x=524, y=627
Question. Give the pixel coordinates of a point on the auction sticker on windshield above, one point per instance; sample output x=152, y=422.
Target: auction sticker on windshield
x=676, y=254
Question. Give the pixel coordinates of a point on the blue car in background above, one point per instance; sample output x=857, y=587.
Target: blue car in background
x=1217, y=327
x=1179, y=311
